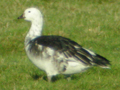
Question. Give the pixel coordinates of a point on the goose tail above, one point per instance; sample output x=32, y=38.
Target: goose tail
x=101, y=61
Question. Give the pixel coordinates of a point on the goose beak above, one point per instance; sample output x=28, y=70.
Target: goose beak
x=22, y=16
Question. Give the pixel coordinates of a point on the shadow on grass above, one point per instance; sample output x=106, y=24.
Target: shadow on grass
x=44, y=77
x=36, y=76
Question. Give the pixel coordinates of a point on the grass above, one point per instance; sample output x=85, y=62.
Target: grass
x=95, y=24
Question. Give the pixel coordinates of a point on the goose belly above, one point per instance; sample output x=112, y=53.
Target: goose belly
x=38, y=62
x=40, y=58
x=75, y=67
x=43, y=61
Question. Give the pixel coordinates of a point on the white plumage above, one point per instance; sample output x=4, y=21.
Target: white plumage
x=56, y=54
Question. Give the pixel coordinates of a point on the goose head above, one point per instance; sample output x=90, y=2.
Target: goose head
x=31, y=14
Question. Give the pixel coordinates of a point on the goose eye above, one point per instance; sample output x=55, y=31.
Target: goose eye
x=29, y=11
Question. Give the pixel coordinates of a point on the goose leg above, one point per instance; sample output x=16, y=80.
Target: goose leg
x=49, y=78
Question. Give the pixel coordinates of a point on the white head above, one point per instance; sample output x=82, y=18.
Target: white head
x=35, y=17
x=31, y=14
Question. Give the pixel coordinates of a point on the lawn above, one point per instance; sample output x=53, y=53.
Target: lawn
x=94, y=24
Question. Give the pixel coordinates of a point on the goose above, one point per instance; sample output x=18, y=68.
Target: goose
x=56, y=54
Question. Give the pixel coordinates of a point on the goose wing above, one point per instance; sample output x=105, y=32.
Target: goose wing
x=65, y=46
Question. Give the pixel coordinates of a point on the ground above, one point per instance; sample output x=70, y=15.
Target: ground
x=94, y=24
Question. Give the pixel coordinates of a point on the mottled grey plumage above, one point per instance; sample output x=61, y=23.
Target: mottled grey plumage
x=56, y=54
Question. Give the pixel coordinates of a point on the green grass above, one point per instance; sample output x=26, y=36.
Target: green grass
x=95, y=24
